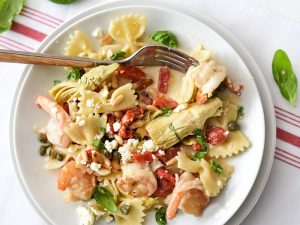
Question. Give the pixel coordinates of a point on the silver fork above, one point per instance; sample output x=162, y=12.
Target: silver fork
x=152, y=55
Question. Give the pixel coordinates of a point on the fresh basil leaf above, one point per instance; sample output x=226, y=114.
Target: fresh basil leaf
x=8, y=10
x=98, y=144
x=63, y=1
x=164, y=37
x=118, y=55
x=74, y=74
x=164, y=112
x=240, y=112
x=216, y=167
x=199, y=155
x=284, y=76
x=55, y=82
x=204, y=147
x=172, y=128
x=160, y=216
x=105, y=199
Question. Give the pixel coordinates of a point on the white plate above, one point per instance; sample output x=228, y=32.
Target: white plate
x=40, y=185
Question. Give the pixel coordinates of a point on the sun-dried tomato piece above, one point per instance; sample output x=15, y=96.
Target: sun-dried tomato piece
x=131, y=115
x=124, y=133
x=142, y=84
x=216, y=135
x=196, y=146
x=142, y=157
x=163, y=174
x=169, y=153
x=130, y=72
x=164, y=188
x=110, y=121
x=163, y=102
x=164, y=77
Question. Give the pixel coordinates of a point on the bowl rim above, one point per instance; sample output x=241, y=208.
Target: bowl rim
x=187, y=10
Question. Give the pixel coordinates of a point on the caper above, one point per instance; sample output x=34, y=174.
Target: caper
x=232, y=126
x=125, y=209
x=59, y=157
x=42, y=150
x=43, y=138
x=116, y=155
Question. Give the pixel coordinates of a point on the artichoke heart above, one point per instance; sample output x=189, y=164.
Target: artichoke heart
x=183, y=122
x=67, y=90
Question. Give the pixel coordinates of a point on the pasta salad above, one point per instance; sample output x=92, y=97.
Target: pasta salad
x=130, y=139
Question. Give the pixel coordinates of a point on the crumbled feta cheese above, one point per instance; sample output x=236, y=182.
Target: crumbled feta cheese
x=109, y=53
x=161, y=152
x=149, y=146
x=86, y=215
x=155, y=163
x=81, y=122
x=180, y=107
x=107, y=128
x=95, y=166
x=104, y=92
x=109, y=219
x=116, y=126
x=98, y=33
x=127, y=148
x=110, y=146
x=90, y=103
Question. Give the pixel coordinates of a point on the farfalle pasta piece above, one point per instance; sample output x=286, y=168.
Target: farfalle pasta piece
x=69, y=90
x=235, y=143
x=228, y=96
x=201, y=54
x=136, y=213
x=127, y=30
x=213, y=183
x=77, y=44
x=84, y=130
x=53, y=164
x=186, y=164
x=90, y=102
x=126, y=93
x=229, y=114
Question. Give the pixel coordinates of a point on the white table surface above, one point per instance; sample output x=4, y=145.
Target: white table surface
x=284, y=180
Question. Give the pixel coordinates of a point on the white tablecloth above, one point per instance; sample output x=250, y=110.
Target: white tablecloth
x=262, y=26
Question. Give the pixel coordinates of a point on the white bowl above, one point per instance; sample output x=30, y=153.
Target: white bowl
x=40, y=185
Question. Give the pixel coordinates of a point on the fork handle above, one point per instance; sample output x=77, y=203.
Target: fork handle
x=44, y=59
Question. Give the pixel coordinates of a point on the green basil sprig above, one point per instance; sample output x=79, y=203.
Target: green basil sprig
x=8, y=10
x=164, y=37
x=105, y=199
x=204, y=146
x=284, y=76
x=74, y=74
x=160, y=216
x=216, y=167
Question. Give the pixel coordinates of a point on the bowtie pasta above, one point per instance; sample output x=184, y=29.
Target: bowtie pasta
x=131, y=139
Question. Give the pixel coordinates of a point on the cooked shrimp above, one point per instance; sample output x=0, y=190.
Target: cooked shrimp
x=194, y=201
x=80, y=185
x=59, y=119
x=207, y=77
x=137, y=180
x=185, y=183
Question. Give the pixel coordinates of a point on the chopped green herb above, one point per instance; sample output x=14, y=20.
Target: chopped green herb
x=105, y=199
x=284, y=76
x=74, y=74
x=201, y=140
x=164, y=112
x=103, y=129
x=172, y=128
x=118, y=55
x=240, y=112
x=8, y=10
x=164, y=38
x=160, y=216
x=98, y=144
x=55, y=82
x=216, y=167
